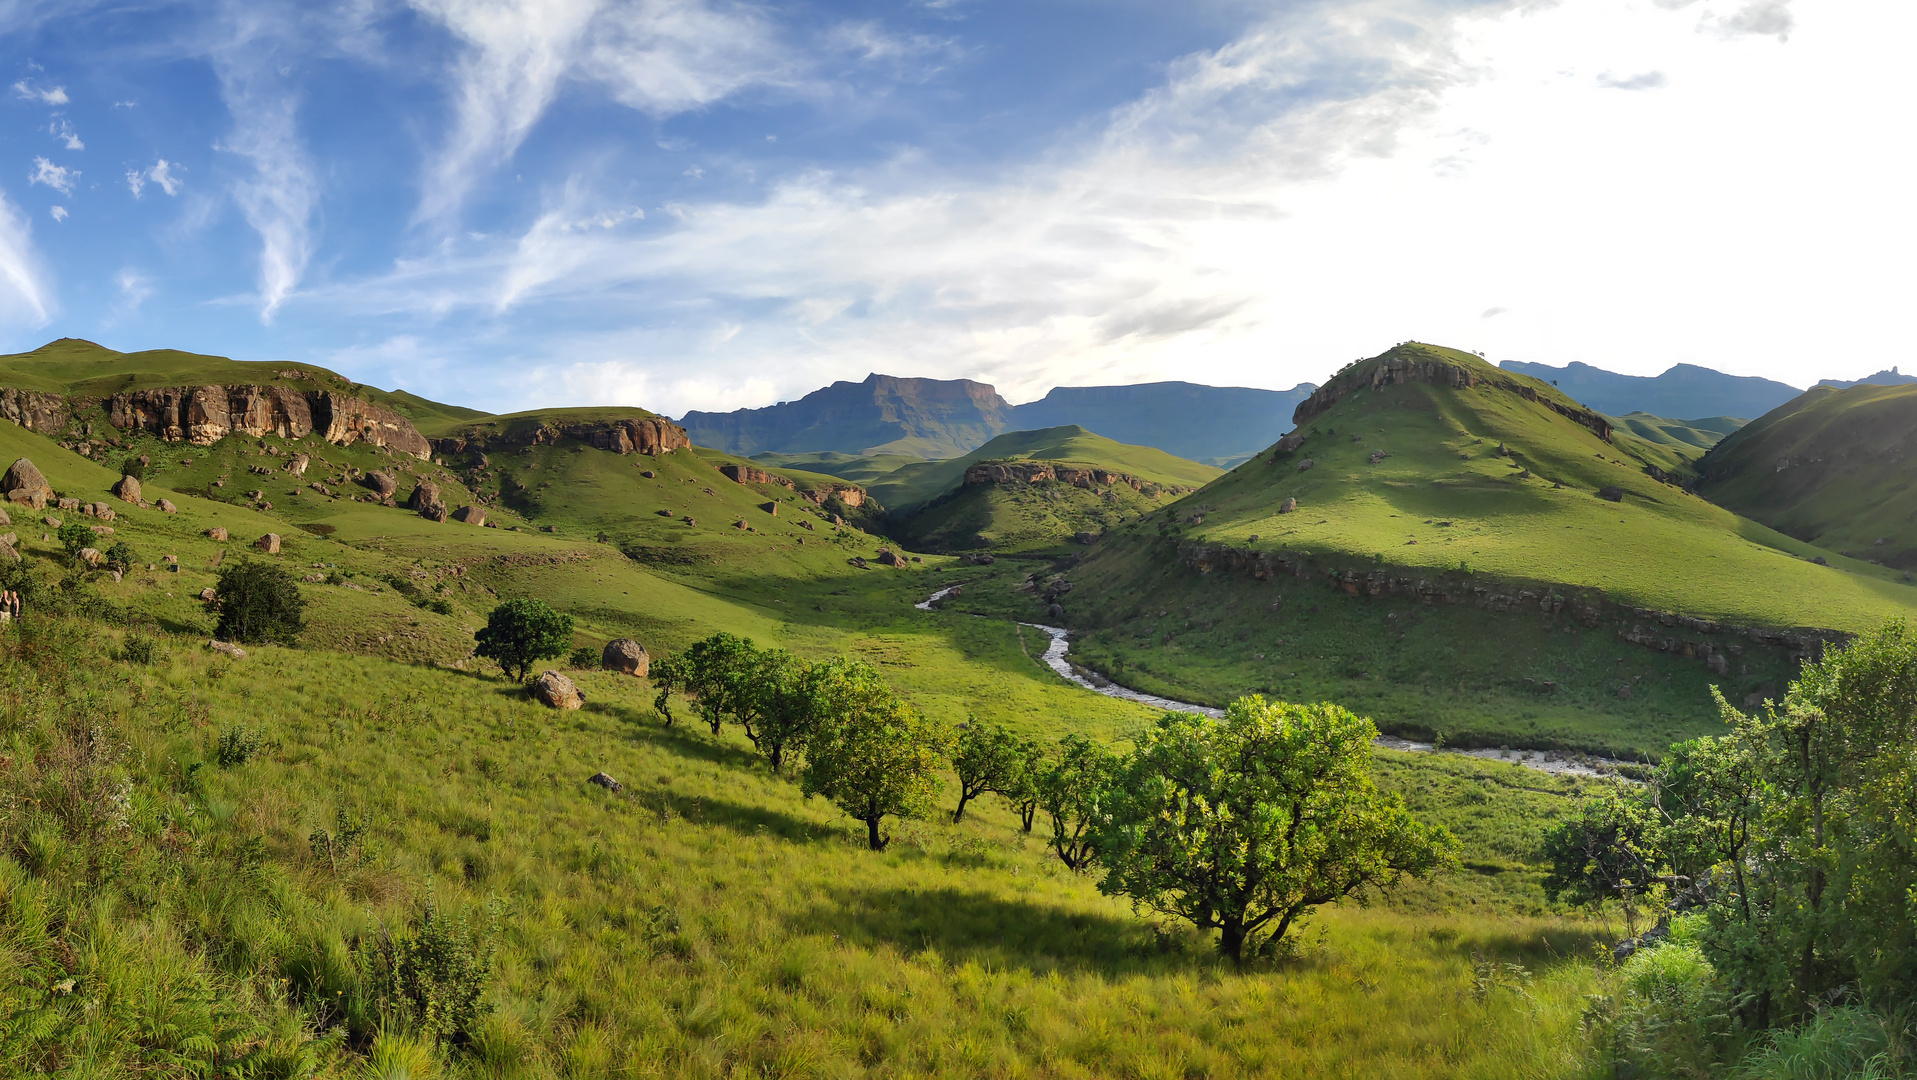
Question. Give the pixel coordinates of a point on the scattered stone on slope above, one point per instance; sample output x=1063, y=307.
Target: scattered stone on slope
x=128, y=490
x=270, y=543
x=297, y=464
x=626, y=657
x=426, y=501
x=92, y=557
x=1288, y=506
x=556, y=691
x=470, y=515
x=166, y=506
x=1624, y=692
x=382, y=483
x=1611, y=492
x=1306, y=465
x=217, y=532
x=890, y=558
x=606, y=782
x=226, y=647
x=26, y=485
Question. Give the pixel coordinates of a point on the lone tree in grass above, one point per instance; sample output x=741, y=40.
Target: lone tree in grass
x=1607, y=851
x=521, y=633
x=988, y=758
x=258, y=602
x=872, y=754
x=1072, y=789
x=1248, y=823
x=775, y=707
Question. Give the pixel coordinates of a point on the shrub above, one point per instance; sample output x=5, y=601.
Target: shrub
x=74, y=537
x=583, y=657
x=520, y=633
x=346, y=839
x=133, y=467
x=237, y=746
x=433, y=976
x=259, y=602
x=438, y=606
x=121, y=556
x=140, y=649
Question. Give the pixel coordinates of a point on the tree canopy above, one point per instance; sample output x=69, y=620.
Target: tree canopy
x=872, y=754
x=258, y=602
x=521, y=633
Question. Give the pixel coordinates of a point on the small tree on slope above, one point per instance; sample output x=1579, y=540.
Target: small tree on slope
x=520, y=633
x=872, y=754
x=989, y=758
x=259, y=602
x=1250, y=822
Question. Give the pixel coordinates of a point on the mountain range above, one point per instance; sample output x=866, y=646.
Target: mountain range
x=931, y=419
x=1685, y=390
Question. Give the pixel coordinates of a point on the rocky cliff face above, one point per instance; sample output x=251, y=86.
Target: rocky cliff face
x=203, y=415
x=849, y=494
x=638, y=435
x=44, y=413
x=1079, y=476
x=1396, y=368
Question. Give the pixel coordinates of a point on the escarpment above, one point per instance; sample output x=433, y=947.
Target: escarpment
x=203, y=415
x=634, y=435
x=848, y=494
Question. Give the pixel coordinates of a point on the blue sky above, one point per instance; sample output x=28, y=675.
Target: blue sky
x=696, y=204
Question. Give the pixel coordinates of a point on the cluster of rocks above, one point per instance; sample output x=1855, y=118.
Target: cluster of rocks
x=652, y=435
x=623, y=656
x=849, y=494
x=203, y=415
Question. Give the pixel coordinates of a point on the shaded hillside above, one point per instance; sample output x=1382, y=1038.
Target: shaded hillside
x=1684, y=390
x=914, y=485
x=923, y=418
x=1217, y=425
x=1834, y=467
x=1523, y=538
x=1674, y=446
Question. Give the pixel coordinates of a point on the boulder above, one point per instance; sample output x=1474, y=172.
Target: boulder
x=270, y=543
x=890, y=558
x=606, y=782
x=128, y=490
x=1306, y=465
x=770, y=508
x=216, y=533
x=426, y=501
x=1291, y=442
x=92, y=557
x=626, y=657
x=1719, y=664
x=1377, y=456
x=26, y=485
x=1085, y=538
x=4, y=518
x=297, y=464
x=166, y=506
x=227, y=648
x=209, y=596
x=1624, y=692
x=50, y=521
x=102, y=511
x=556, y=691
x=983, y=558
x=382, y=483
x=1288, y=506
x=1611, y=492
x=8, y=554
x=474, y=515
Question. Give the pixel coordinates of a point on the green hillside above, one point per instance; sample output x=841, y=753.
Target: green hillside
x=856, y=468
x=1833, y=468
x=916, y=484
x=1406, y=481
x=74, y=366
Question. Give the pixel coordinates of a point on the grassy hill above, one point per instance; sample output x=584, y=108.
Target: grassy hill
x=75, y=366
x=1832, y=467
x=916, y=484
x=1406, y=481
x=1218, y=425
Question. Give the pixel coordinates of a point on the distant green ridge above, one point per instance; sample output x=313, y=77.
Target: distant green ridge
x=916, y=484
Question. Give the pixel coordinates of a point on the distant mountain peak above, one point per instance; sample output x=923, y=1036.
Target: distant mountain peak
x=1888, y=377
x=1683, y=390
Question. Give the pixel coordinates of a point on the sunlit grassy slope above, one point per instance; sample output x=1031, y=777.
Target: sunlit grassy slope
x=1442, y=498
x=76, y=366
x=1832, y=467
x=914, y=485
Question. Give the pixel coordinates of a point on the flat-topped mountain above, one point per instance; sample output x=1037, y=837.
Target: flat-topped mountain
x=1684, y=390
x=884, y=414
x=1218, y=425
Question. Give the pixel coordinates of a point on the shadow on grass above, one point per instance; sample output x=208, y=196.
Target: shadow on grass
x=1000, y=932
x=686, y=740
x=738, y=817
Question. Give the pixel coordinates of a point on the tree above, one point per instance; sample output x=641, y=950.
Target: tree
x=714, y=675
x=521, y=633
x=121, y=557
x=258, y=602
x=872, y=754
x=1609, y=850
x=777, y=708
x=988, y=758
x=668, y=675
x=1250, y=822
x=74, y=538
x=1070, y=789
x=1021, y=787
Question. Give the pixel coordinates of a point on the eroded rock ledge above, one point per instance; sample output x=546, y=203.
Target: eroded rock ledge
x=637, y=435
x=203, y=415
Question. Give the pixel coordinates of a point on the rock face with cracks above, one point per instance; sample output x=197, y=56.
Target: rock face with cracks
x=25, y=485
x=625, y=656
x=556, y=691
x=203, y=415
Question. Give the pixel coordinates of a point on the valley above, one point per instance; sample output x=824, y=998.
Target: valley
x=1462, y=554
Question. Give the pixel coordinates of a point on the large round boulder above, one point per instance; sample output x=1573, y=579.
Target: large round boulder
x=27, y=485
x=270, y=543
x=426, y=501
x=382, y=483
x=556, y=691
x=626, y=657
x=128, y=489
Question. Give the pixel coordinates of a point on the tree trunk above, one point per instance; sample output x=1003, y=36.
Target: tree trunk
x=964, y=797
x=1028, y=812
x=776, y=752
x=872, y=834
x=1231, y=939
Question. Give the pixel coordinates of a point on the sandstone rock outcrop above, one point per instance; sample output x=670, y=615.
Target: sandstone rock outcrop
x=556, y=691
x=25, y=485
x=1079, y=476
x=626, y=657
x=382, y=483
x=217, y=532
x=35, y=411
x=270, y=543
x=746, y=474
x=128, y=490
x=426, y=502
x=166, y=506
x=653, y=435
x=473, y=515
x=227, y=648
x=92, y=557
x=203, y=415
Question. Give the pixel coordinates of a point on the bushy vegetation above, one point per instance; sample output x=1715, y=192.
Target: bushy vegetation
x=521, y=633
x=259, y=602
x=1787, y=847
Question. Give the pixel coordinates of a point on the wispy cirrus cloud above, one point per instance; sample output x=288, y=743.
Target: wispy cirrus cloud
x=25, y=294
x=279, y=196
x=51, y=95
x=160, y=172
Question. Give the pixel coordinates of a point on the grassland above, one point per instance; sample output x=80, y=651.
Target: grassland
x=917, y=484
x=1830, y=468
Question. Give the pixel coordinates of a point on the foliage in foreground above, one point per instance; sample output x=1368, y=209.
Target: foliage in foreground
x=259, y=602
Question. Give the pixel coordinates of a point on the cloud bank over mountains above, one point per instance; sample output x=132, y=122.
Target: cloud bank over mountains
x=696, y=204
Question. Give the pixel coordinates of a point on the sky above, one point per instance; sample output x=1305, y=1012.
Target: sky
x=698, y=204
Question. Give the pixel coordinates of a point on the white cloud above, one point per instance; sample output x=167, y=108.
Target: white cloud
x=57, y=177
x=53, y=96
x=59, y=213
x=280, y=196
x=25, y=296
x=160, y=172
x=135, y=287
x=657, y=56
x=1346, y=176
x=62, y=130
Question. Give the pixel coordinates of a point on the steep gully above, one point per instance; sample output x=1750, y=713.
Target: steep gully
x=1542, y=760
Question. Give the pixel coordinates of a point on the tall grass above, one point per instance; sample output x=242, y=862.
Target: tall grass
x=162, y=917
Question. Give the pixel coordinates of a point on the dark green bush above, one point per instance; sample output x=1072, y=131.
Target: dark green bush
x=121, y=557
x=583, y=657
x=74, y=537
x=432, y=978
x=237, y=746
x=259, y=602
x=140, y=649
x=133, y=467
